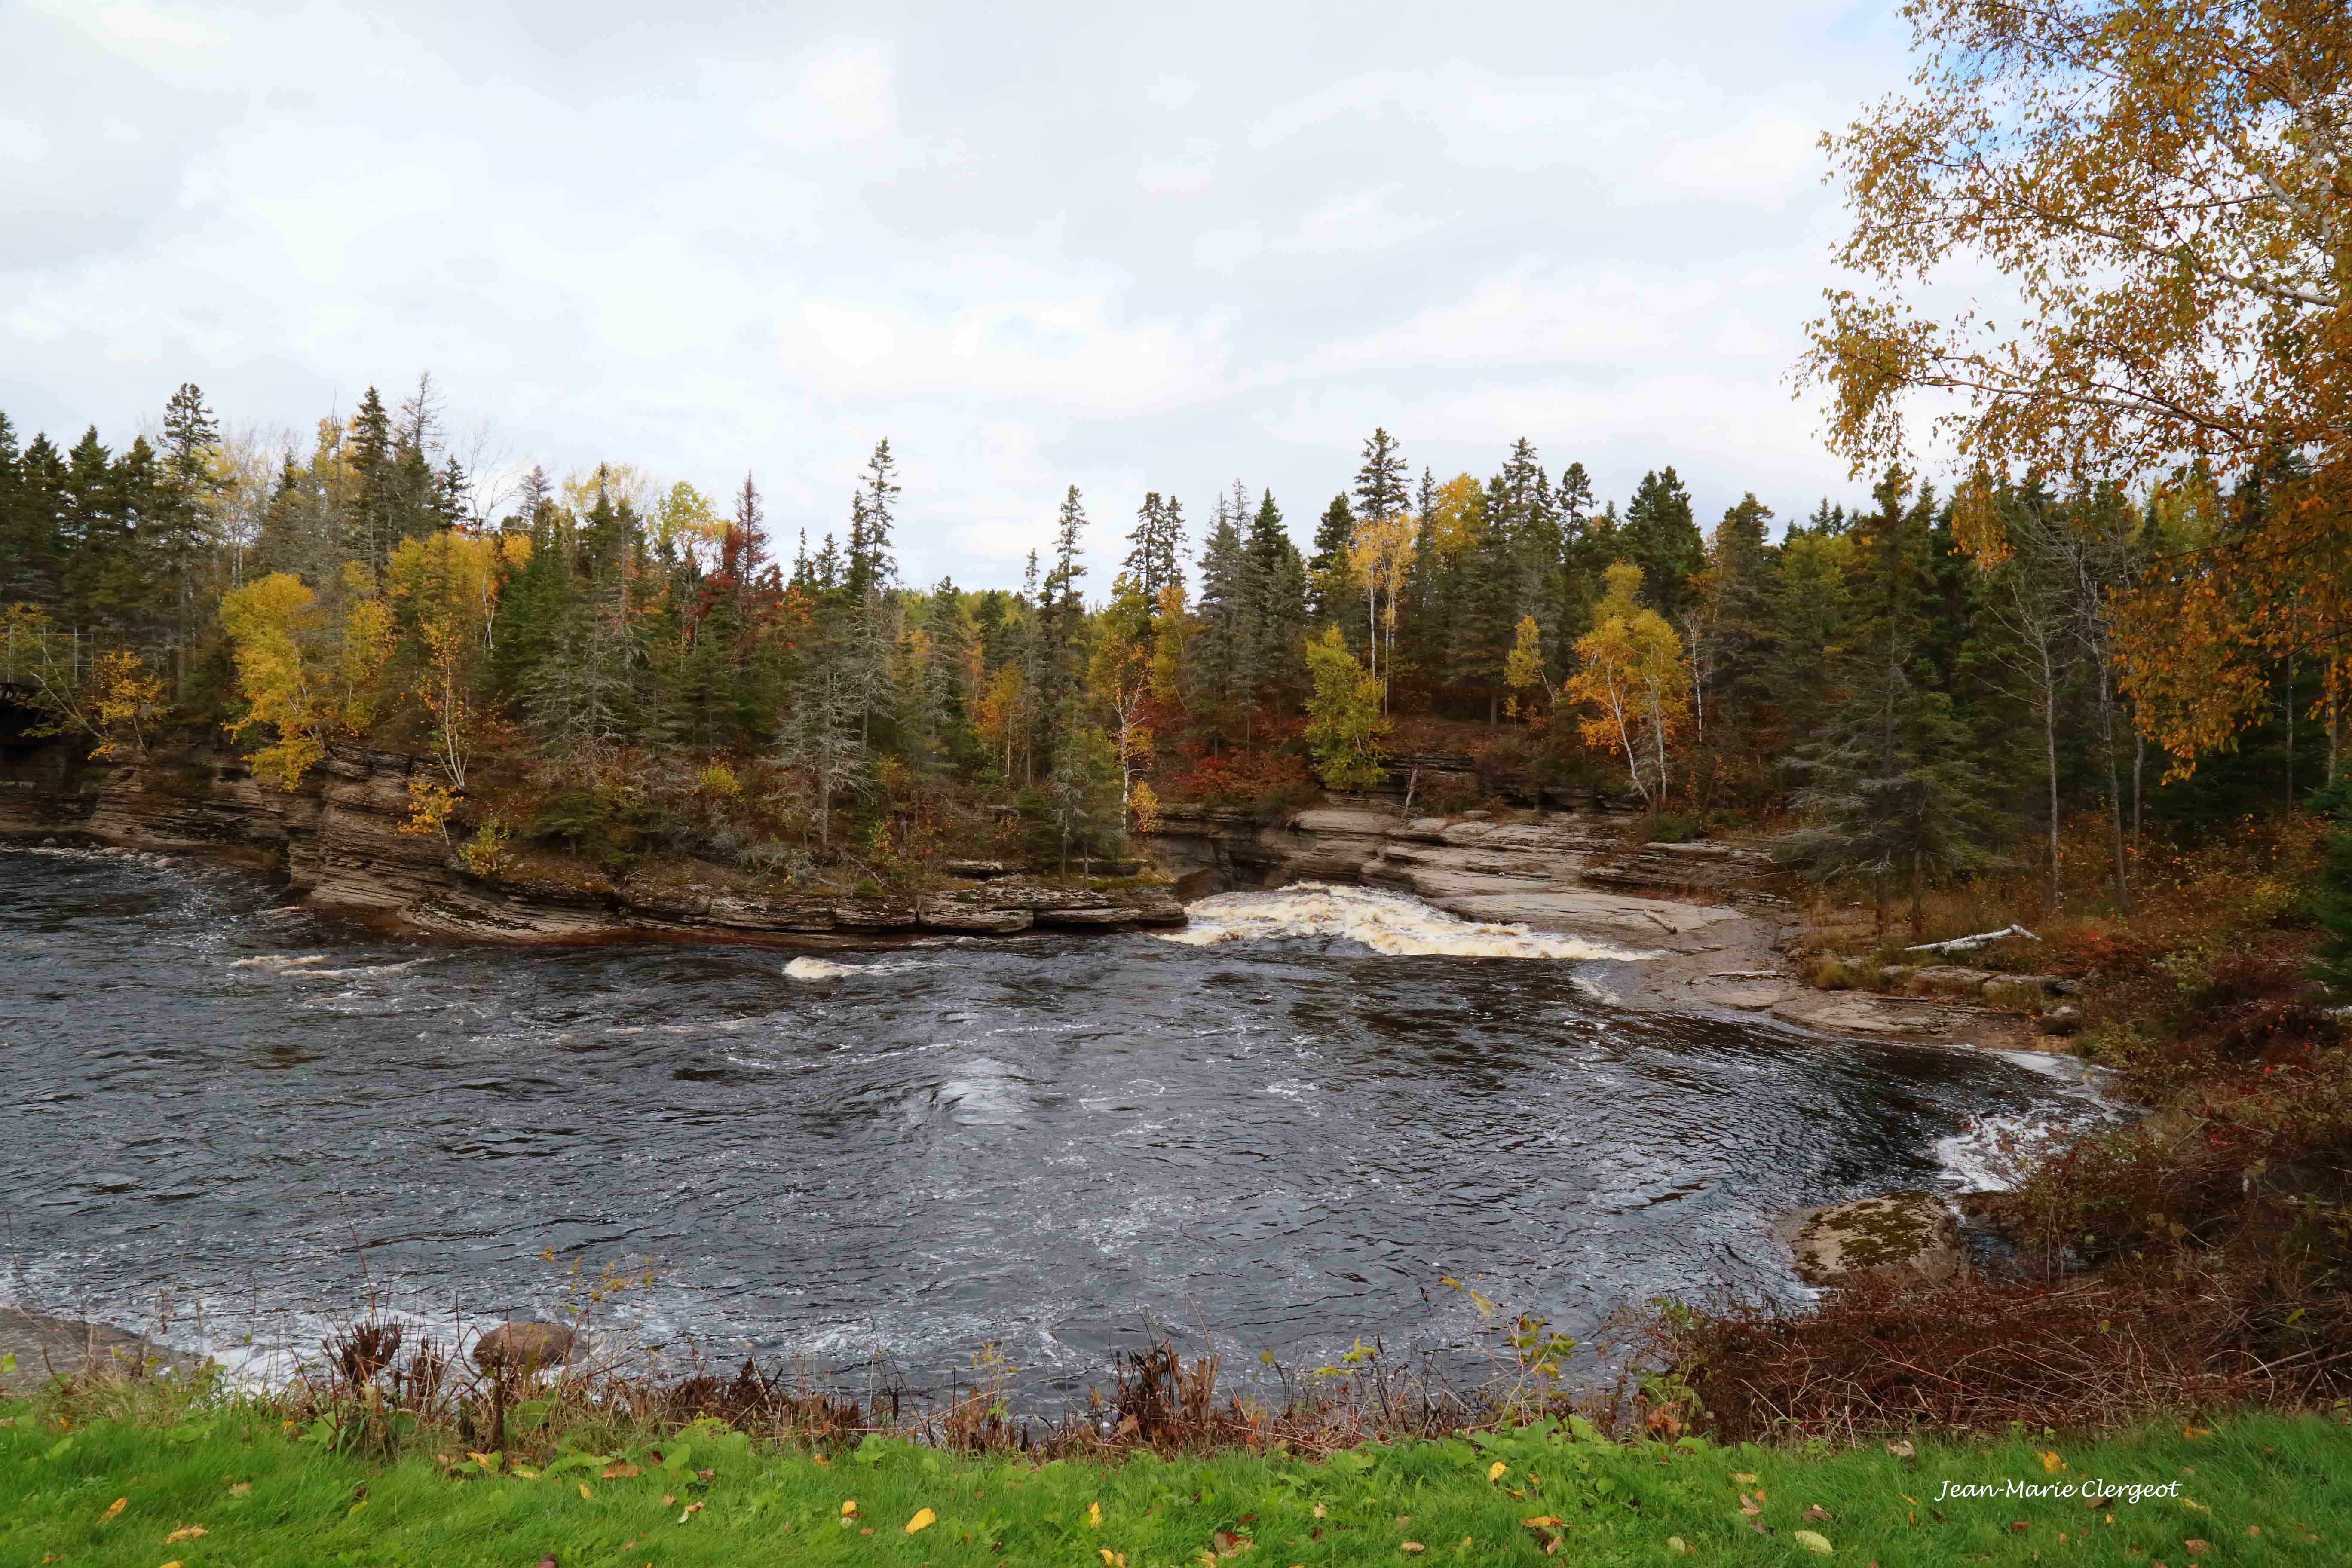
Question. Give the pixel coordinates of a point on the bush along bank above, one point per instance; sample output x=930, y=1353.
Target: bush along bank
x=227, y=1482
x=2196, y=1258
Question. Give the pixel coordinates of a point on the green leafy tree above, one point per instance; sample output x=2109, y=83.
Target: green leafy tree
x=1347, y=725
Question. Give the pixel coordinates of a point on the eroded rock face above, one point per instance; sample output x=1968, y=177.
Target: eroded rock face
x=523, y=1347
x=1906, y=1233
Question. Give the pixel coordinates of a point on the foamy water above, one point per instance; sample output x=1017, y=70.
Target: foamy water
x=1393, y=923
x=806, y=968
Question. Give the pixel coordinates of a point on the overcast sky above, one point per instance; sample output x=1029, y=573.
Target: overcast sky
x=1125, y=246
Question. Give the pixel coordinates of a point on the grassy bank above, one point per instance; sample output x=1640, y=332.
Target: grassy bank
x=2263, y=1489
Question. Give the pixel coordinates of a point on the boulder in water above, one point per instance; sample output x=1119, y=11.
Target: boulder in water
x=523, y=1347
x=1909, y=1233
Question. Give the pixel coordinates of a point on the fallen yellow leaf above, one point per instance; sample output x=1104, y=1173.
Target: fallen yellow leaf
x=110, y=1512
x=242, y=1489
x=1678, y=1546
x=1494, y=1471
x=1743, y=1478
x=924, y=1519
x=617, y=1471
x=488, y=1461
x=1094, y=1515
x=2193, y=1433
x=175, y=1562
x=584, y=1493
x=1320, y=1512
x=849, y=1507
x=1112, y=1559
x=688, y=1511
x=2052, y=1462
x=1540, y=1522
x=1813, y=1541
x=185, y=1532
x=1412, y=1549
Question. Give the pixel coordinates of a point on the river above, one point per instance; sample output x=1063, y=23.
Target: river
x=243, y=1119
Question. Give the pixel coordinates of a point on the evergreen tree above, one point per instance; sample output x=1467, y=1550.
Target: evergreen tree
x=1330, y=596
x=191, y=486
x=1890, y=795
x=1659, y=536
x=1274, y=610
x=873, y=565
x=1155, y=552
x=29, y=564
x=1222, y=684
x=370, y=527
x=1061, y=624
x=1380, y=489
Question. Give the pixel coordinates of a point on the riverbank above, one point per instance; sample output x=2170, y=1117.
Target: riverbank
x=228, y=1485
x=342, y=842
x=1713, y=933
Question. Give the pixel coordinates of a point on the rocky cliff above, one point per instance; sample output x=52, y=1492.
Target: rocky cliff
x=338, y=841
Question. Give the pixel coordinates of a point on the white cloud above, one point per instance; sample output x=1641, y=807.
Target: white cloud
x=1124, y=249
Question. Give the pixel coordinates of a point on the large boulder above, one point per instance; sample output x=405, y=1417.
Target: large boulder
x=523, y=1347
x=1906, y=1233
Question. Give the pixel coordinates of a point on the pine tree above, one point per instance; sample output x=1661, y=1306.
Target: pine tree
x=1061, y=622
x=1330, y=596
x=29, y=561
x=1380, y=489
x=1221, y=684
x=369, y=528
x=1659, y=536
x=1154, y=557
x=1274, y=610
x=1890, y=795
x=191, y=487
x=873, y=567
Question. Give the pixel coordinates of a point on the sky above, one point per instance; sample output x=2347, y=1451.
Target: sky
x=1122, y=247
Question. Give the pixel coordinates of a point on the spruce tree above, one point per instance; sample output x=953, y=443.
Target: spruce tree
x=1061, y=626
x=369, y=528
x=872, y=567
x=1330, y=595
x=29, y=519
x=1891, y=797
x=1155, y=547
x=1275, y=609
x=190, y=488
x=1221, y=652
x=1380, y=489
x=1660, y=537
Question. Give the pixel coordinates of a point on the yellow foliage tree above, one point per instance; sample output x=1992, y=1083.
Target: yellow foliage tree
x=294, y=681
x=2164, y=192
x=1379, y=559
x=445, y=590
x=1634, y=677
x=111, y=703
x=1120, y=674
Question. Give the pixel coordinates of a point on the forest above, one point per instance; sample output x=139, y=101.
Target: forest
x=606, y=666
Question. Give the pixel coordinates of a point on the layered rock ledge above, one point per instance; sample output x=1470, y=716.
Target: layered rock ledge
x=340, y=844
x=1714, y=932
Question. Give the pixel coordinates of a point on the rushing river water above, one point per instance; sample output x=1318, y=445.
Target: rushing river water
x=259, y=1118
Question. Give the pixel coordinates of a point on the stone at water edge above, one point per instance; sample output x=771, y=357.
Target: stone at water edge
x=523, y=1347
x=2064, y=1019
x=1912, y=1232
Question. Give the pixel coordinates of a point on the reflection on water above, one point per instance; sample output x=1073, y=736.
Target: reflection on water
x=1036, y=1143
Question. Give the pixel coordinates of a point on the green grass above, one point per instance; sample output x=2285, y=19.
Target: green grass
x=265, y=1498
